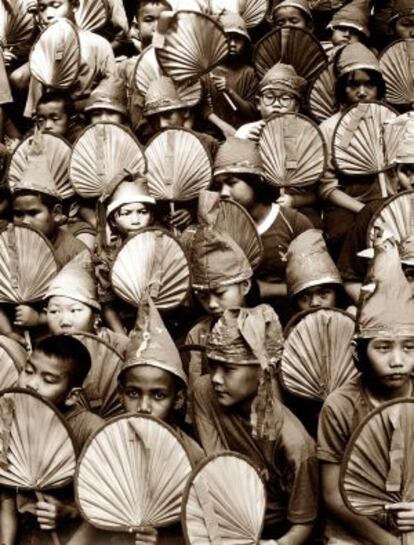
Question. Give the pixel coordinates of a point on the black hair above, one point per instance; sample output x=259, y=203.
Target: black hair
x=263, y=192
x=71, y=352
x=361, y=358
x=341, y=83
x=342, y=299
x=47, y=200
x=143, y=3
x=58, y=96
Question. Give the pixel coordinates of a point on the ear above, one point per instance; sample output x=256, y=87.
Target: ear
x=180, y=400
x=246, y=285
x=76, y=396
x=73, y=209
x=58, y=214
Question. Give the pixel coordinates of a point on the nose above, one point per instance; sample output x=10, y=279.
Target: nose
x=65, y=320
x=362, y=91
x=164, y=122
x=315, y=301
x=225, y=191
x=397, y=358
x=135, y=219
x=213, y=303
x=217, y=377
x=49, y=14
x=32, y=384
x=144, y=406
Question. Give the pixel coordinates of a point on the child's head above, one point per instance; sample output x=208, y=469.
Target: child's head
x=350, y=24
x=163, y=107
x=237, y=36
x=292, y=13
x=57, y=366
x=147, y=16
x=280, y=91
x=37, y=210
x=53, y=10
x=108, y=102
x=402, y=19
x=54, y=113
x=152, y=380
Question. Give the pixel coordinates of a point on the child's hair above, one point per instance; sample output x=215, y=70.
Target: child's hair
x=47, y=200
x=361, y=360
x=376, y=79
x=58, y=96
x=69, y=351
x=263, y=192
x=144, y=3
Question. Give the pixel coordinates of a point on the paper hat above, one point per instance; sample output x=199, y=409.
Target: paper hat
x=356, y=57
x=37, y=176
x=162, y=96
x=237, y=156
x=109, y=95
x=309, y=263
x=301, y=5
x=151, y=344
x=130, y=189
x=75, y=281
x=233, y=22
x=401, y=8
x=284, y=78
x=387, y=304
x=216, y=260
x=405, y=148
x=353, y=15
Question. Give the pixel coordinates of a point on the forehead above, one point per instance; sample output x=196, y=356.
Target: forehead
x=47, y=364
x=359, y=76
x=28, y=202
x=54, y=3
x=132, y=206
x=288, y=11
x=53, y=107
x=148, y=376
x=152, y=9
x=395, y=340
x=62, y=301
x=406, y=19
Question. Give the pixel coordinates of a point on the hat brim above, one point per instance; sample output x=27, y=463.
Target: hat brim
x=145, y=199
x=106, y=106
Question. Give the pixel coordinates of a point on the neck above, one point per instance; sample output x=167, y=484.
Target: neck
x=260, y=211
x=380, y=395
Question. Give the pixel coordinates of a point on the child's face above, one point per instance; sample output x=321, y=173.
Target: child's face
x=234, y=384
x=168, y=119
x=289, y=16
x=53, y=10
x=236, y=43
x=29, y=210
x=216, y=301
x=316, y=296
x=51, y=118
x=344, y=35
x=99, y=115
x=404, y=27
x=65, y=315
x=360, y=87
x=273, y=101
x=47, y=376
x=148, y=390
x=147, y=20
x=130, y=218
x=231, y=187
x=391, y=361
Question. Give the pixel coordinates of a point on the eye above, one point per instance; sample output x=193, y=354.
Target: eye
x=159, y=396
x=28, y=370
x=132, y=393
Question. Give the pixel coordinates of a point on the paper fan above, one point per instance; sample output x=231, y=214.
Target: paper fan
x=292, y=150
x=377, y=468
x=192, y=46
x=12, y=360
x=147, y=70
x=92, y=14
x=179, y=165
x=132, y=473
x=317, y=355
x=27, y=265
x=252, y=11
x=36, y=448
x=152, y=262
x=57, y=151
x=101, y=384
x=100, y=153
x=321, y=94
x=294, y=46
x=397, y=213
x=224, y=502
x=357, y=143
x=55, y=56
x=16, y=26
x=397, y=68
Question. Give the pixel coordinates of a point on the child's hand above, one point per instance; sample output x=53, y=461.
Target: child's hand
x=251, y=132
x=286, y=200
x=220, y=82
x=8, y=57
x=147, y=534
x=403, y=514
x=26, y=316
x=180, y=219
x=47, y=514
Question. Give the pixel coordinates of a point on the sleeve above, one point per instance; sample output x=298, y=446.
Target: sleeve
x=334, y=430
x=329, y=181
x=105, y=59
x=301, y=223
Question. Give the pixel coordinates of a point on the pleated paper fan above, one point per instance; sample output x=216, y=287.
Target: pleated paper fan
x=57, y=151
x=101, y=384
x=192, y=46
x=16, y=25
x=252, y=11
x=132, y=473
x=179, y=165
x=292, y=150
x=317, y=355
x=152, y=262
x=55, y=56
x=377, y=468
x=397, y=214
x=12, y=359
x=36, y=446
x=224, y=502
x=24, y=278
x=92, y=14
x=396, y=63
x=147, y=70
x=321, y=94
x=100, y=153
x=357, y=144
x=294, y=46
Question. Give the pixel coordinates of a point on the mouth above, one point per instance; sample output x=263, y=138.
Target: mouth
x=219, y=392
x=396, y=377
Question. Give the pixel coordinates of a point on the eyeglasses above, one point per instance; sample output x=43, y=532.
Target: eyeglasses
x=270, y=97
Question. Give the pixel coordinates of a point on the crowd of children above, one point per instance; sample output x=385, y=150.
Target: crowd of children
x=202, y=190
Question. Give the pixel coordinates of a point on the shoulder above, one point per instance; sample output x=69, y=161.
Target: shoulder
x=193, y=449
x=295, y=440
x=199, y=331
x=67, y=246
x=297, y=221
x=83, y=424
x=345, y=397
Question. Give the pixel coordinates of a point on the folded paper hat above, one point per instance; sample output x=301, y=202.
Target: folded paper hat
x=284, y=78
x=353, y=15
x=237, y=156
x=301, y=5
x=162, y=96
x=126, y=188
x=356, y=57
x=234, y=23
x=109, y=95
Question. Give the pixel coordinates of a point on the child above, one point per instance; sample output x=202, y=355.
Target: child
x=147, y=16
x=238, y=408
x=312, y=278
x=292, y=13
x=385, y=357
x=56, y=370
x=55, y=114
x=108, y=102
x=402, y=19
x=349, y=25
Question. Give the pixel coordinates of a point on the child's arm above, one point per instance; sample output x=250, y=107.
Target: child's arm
x=341, y=199
x=7, y=329
x=226, y=129
x=147, y=534
x=297, y=200
x=8, y=520
x=272, y=289
x=26, y=316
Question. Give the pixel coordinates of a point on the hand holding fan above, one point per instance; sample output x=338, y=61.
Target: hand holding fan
x=92, y=15
x=377, y=469
x=252, y=11
x=397, y=67
x=131, y=474
x=317, y=354
x=224, y=502
x=16, y=26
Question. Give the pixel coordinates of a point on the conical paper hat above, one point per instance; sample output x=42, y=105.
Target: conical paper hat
x=126, y=188
x=354, y=15
x=301, y=5
x=109, y=95
x=162, y=96
x=234, y=23
x=356, y=57
x=284, y=77
x=238, y=156
x=151, y=344
x=309, y=263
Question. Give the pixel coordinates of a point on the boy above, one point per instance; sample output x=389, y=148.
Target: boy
x=55, y=114
x=56, y=370
x=238, y=408
x=108, y=102
x=385, y=357
x=402, y=19
x=292, y=13
x=350, y=24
